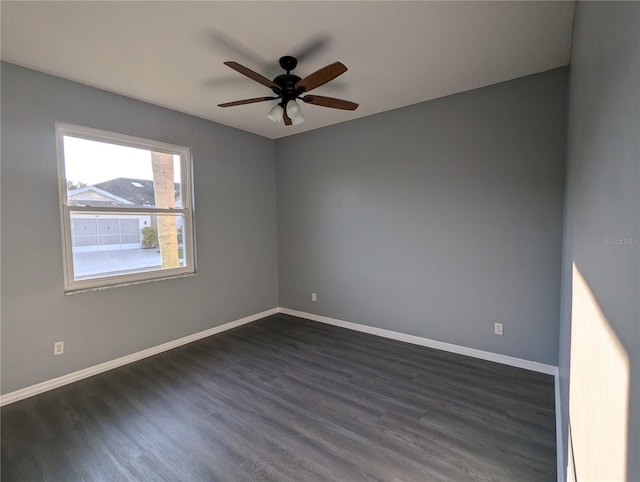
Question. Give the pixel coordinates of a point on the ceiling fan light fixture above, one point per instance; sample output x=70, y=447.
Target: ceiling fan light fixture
x=276, y=113
x=294, y=110
x=297, y=120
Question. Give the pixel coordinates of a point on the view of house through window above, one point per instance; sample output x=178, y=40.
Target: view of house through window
x=126, y=208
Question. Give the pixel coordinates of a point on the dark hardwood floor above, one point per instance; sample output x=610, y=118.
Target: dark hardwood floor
x=289, y=399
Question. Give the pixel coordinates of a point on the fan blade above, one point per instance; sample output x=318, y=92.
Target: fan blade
x=321, y=77
x=227, y=46
x=261, y=79
x=287, y=119
x=329, y=102
x=246, y=101
x=312, y=47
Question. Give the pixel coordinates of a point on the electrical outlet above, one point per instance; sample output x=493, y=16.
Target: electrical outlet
x=58, y=348
x=497, y=329
x=314, y=297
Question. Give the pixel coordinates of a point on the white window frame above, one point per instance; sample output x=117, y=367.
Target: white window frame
x=70, y=284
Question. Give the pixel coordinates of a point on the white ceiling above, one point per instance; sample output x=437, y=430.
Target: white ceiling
x=171, y=53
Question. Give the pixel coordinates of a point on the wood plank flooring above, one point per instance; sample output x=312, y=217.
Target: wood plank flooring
x=289, y=399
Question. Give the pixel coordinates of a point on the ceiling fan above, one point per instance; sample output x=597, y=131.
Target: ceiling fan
x=289, y=87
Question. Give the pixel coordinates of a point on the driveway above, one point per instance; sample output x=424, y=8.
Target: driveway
x=90, y=264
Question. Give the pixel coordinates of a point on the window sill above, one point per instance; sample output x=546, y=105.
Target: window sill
x=126, y=283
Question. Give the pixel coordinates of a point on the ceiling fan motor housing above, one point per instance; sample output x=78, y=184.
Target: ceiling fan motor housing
x=287, y=84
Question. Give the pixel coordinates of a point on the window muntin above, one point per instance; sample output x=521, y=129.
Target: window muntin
x=126, y=208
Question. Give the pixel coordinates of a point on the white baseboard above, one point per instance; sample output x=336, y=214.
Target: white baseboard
x=103, y=367
x=418, y=340
x=559, y=444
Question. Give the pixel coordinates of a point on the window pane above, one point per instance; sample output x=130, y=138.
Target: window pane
x=101, y=174
x=115, y=244
x=136, y=209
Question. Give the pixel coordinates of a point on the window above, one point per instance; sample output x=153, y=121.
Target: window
x=127, y=211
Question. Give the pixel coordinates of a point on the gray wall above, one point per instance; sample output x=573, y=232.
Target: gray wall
x=235, y=226
x=436, y=220
x=603, y=197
